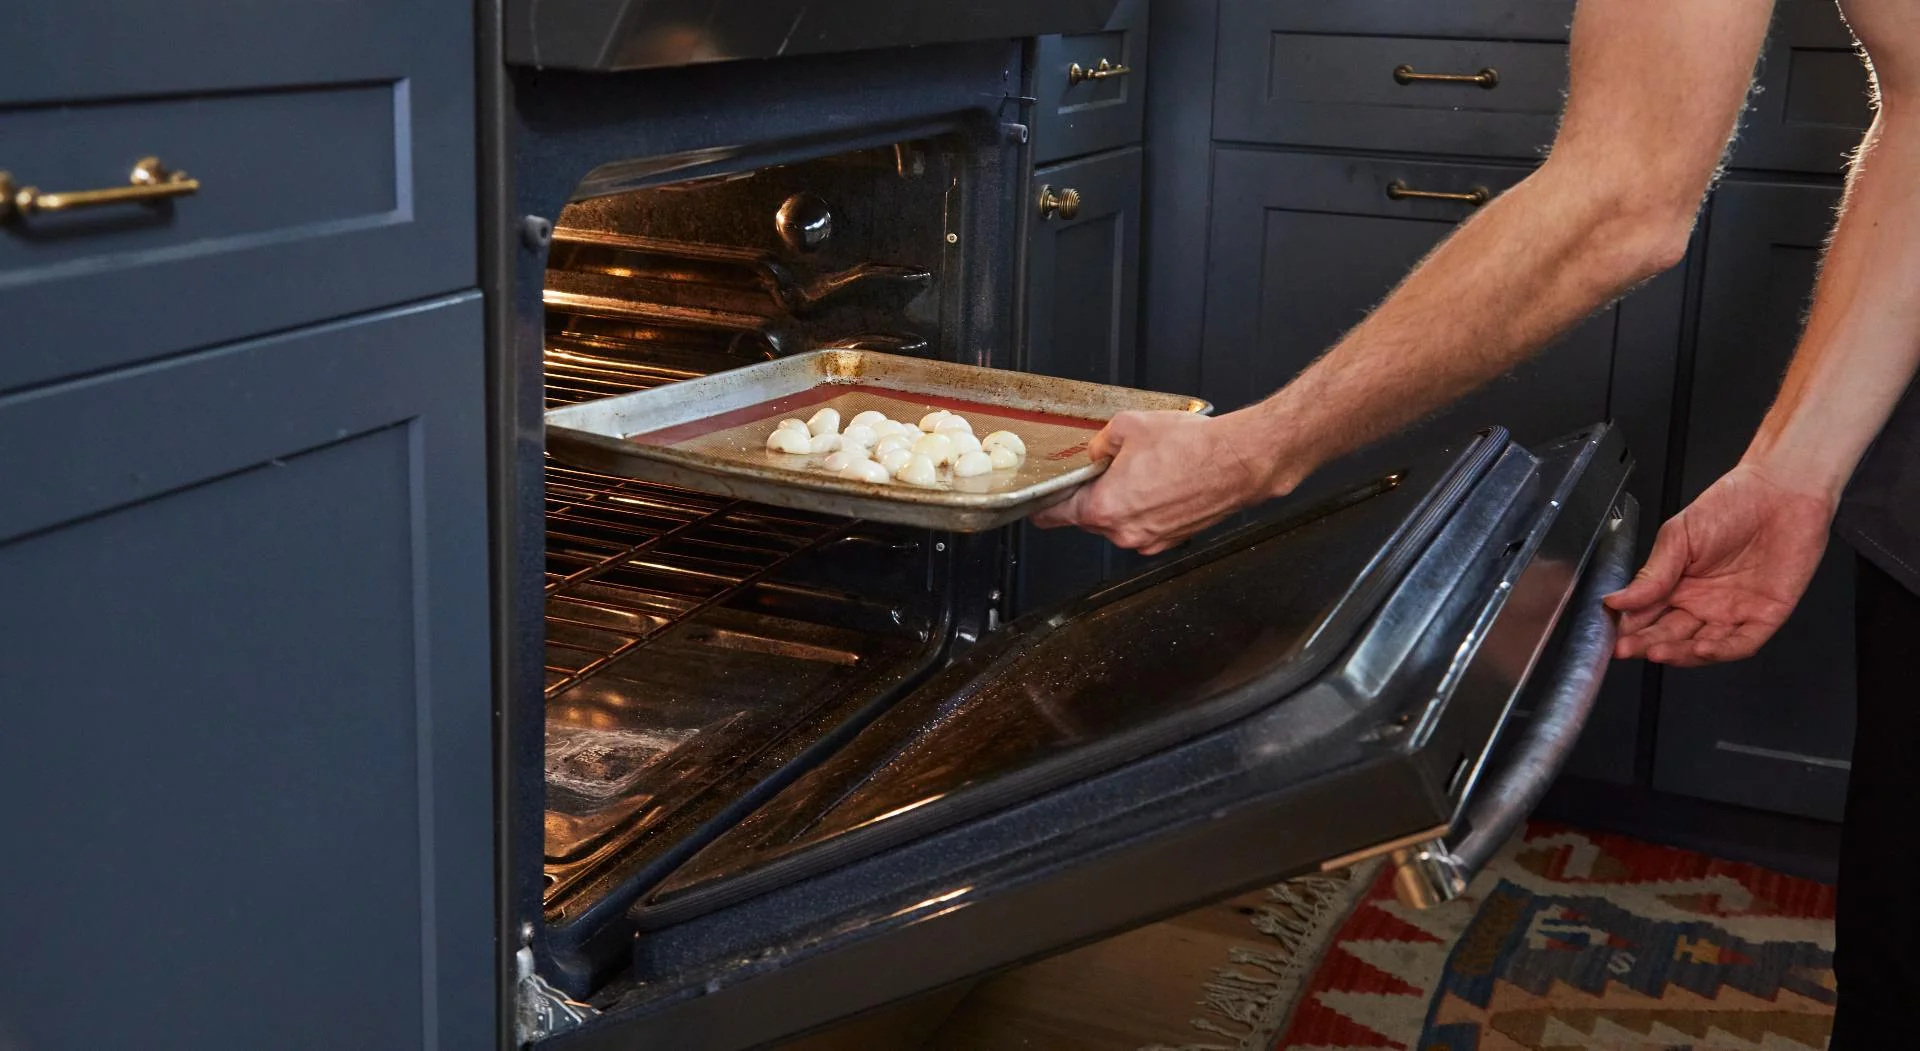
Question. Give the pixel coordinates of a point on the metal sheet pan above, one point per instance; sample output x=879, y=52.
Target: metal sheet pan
x=709, y=434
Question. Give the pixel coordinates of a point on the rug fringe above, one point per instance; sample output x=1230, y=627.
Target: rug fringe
x=1298, y=914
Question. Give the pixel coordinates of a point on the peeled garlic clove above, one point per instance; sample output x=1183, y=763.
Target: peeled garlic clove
x=859, y=434
x=1005, y=438
x=953, y=423
x=845, y=458
x=918, y=471
x=894, y=459
x=869, y=418
x=823, y=443
x=865, y=471
x=826, y=421
x=797, y=424
x=891, y=442
x=931, y=421
x=963, y=442
x=789, y=440
x=973, y=463
x=935, y=447
x=1003, y=458
x=889, y=428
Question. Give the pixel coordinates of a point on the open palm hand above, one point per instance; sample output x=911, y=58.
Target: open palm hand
x=1724, y=573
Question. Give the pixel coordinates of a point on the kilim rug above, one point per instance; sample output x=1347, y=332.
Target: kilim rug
x=1569, y=940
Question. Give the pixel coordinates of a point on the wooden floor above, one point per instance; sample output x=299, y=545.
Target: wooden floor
x=1136, y=990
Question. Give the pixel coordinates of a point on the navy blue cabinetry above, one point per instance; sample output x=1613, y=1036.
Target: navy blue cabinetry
x=245, y=690
x=245, y=770
x=1082, y=311
x=333, y=145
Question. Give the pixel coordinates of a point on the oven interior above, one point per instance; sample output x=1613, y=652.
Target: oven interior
x=702, y=651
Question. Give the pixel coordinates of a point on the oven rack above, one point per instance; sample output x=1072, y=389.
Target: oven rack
x=627, y=560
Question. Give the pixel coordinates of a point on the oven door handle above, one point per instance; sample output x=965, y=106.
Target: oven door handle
x=1433, y=872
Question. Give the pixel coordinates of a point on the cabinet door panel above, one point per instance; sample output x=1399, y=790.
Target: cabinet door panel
x=1082, y=323
x=248, y=734
x=1810, y=103
x=1773, y=731
x=1304, y=245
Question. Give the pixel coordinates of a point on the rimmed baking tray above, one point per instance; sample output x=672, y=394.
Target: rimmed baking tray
x=710, y=434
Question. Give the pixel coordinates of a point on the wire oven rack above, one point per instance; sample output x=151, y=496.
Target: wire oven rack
x=627, y=560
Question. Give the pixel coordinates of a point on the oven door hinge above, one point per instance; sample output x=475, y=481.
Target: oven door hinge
x=540, y=1010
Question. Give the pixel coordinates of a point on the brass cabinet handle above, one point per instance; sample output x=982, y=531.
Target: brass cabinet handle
x=1399, y=191
x=1487, y=78
x=1066, y=203
x=150, y=181
x=1100, y=71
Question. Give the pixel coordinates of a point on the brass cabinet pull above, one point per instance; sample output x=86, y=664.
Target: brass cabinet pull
x=1399, y=191
x=1066, y=203
x=1487, y=78
x=1101, y=71
x=150, y=181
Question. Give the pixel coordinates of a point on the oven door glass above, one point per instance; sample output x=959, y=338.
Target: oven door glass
x=1308, y=690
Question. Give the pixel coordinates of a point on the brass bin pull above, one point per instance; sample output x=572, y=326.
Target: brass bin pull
x=150, y=181
x=1487, y=78
x=1101, y=71
x=1399, y=191
x=1066, y=203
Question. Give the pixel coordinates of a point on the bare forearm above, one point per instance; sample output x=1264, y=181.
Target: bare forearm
x=1538, y=259
x=1862, y=341
x=1650, y=108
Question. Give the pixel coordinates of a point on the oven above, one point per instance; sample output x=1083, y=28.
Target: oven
x=764, y=768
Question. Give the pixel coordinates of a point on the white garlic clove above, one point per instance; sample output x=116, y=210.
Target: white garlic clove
x=963, y=442
x=845, y=458
x=919, y=471
x=796, y=424
x=935, y=447
x=865, y=471
x=973, y=463
x=931, y=421
x=1003, y=458
x=895, y=459
x=953, y=423
x=859, y=434
x=826, y=421
x=890, y=428
x=824, y=443
x=1007, y=439
x=869, y=418
x=891, y=442
x=789, y=440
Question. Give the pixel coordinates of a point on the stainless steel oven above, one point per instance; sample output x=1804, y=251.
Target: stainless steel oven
x=766, y=768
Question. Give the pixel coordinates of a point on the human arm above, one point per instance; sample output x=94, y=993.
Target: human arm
x=1726, y=571
x=1649, y=110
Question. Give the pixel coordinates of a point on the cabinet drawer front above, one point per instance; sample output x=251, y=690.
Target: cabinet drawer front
x=1078, y=113
x=1810, y=104
x=337, y=183
x=1486, y=19
x=1378, y=92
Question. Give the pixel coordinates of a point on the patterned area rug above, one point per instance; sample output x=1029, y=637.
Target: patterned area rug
x=1570, y=940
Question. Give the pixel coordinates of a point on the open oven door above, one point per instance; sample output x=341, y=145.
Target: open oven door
x=1306, y=692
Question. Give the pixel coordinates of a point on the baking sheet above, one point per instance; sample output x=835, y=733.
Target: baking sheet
x=710, y=434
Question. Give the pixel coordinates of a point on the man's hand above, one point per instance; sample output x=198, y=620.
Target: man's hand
x=1725, y=572
x=1173, y=475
